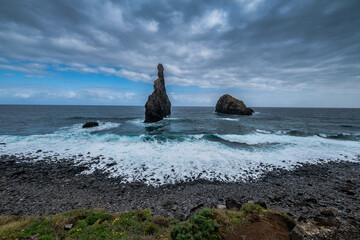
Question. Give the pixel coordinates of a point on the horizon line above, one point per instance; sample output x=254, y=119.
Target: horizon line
x=90, y=105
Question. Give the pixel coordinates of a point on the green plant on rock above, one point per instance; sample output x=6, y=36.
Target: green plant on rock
x=251, y=208
x=202, y=226
x=207, y=213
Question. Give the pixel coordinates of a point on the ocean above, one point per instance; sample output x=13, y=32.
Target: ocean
x=193, y=143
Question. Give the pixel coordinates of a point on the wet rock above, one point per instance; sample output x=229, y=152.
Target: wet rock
x=232, y=204
x=90, y=124
x=111, y=164
x=158, y=104
x=230, y=105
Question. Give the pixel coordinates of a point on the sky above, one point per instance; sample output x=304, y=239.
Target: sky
x=278, y=53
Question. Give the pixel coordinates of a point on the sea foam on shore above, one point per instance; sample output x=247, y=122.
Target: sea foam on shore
x=158, y=159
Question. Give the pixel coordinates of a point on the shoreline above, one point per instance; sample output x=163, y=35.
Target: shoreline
x=327, y=193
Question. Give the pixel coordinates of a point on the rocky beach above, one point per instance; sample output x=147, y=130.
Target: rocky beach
x=182, y=120
x=326, y=195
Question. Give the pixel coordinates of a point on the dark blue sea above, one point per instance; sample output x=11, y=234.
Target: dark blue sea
x=192, y=143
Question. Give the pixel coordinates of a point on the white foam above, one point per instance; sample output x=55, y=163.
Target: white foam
x=333, y=135
x=263, y=131
x=139, y=158
x=229, y=119
x=140, y=122
x=77, y=128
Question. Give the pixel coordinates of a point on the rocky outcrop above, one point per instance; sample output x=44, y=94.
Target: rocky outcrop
x=90, y=124
x=230, y=105
x=158, y=104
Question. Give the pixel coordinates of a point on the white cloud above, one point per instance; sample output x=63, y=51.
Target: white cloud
x=151, y=26
x=251, y=5
x=25, y=67
x=46, y=92
x=244, y=44
x=124, y=73
x=213, y=19
x=135, y=76
x=192, y=99
x=72, y=44
x=176, y=17
x=172, y=69
x=24, y=95
x=105, y=93
x=110, y=15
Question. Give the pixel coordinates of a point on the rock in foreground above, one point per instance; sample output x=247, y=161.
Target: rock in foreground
x=158, y=104
x=90, y=124
x=230, y=105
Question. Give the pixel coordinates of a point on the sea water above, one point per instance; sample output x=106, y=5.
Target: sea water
x=192, y=143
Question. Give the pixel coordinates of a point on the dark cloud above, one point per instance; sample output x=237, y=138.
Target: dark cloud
x=250, y=44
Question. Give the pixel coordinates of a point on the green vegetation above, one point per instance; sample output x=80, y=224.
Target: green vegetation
x=87, y=224
x=97, y=224
x=201, y=226
x=212, y=224
x=251, y=208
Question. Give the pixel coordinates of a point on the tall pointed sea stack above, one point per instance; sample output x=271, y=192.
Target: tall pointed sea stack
x=158, y=104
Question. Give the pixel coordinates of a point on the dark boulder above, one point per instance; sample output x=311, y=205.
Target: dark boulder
x=158, y=104
x=90, y=124
x=232, y=204
x=230, y=105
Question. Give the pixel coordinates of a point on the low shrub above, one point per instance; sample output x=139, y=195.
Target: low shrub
x=251, y=208
x=202, y=226
x=101, y=216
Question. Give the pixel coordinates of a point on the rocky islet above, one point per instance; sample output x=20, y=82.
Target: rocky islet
x=227, y=104
x=158, y=104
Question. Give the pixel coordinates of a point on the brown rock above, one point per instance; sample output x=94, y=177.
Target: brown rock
x=306, y=230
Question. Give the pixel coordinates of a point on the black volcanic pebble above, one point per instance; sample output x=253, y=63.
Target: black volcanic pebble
x=30, y=187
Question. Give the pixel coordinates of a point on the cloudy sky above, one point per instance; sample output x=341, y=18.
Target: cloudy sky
x=303, y=53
